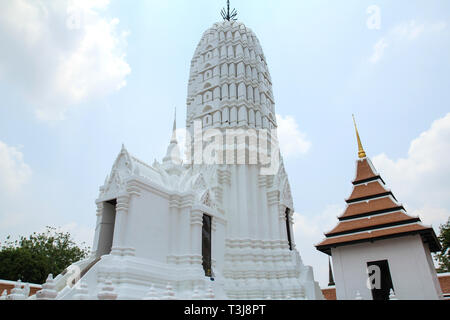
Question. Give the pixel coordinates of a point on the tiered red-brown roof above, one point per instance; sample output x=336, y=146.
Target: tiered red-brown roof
x=373, y=213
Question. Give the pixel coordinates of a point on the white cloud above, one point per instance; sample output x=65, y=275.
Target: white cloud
x=421, y=180
x=11, y=220
x=14, y=175
x=14, y=172
x=378, y=50
x=61, y=52
x=292, y=141
x=412, y=30
x=80, y=233
x=403, y=33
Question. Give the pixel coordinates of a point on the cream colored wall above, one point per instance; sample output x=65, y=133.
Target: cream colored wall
x=408, y=264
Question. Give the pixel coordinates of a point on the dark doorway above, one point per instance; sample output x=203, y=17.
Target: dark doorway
x=107, y=222
x=288, y=228
x=380, y=279
x=206, y=245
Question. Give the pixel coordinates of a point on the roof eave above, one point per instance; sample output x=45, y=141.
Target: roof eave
x=431, y=240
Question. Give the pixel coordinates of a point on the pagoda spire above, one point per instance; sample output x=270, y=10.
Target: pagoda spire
x=361, y=152
x=173, y=152
x=227, y=14
x=174, y=129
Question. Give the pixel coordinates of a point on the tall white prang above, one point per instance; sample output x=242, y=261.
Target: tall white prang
x=216, y=222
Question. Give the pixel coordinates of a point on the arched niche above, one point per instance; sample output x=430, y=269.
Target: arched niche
x=233, y=116
x=251, y=117
x=225, y=116
x=206, y=109
x=242, y=116
x=207, y=120
x=258, y=120
x=217, y=118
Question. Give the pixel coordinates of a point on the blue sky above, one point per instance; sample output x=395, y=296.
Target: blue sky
x=79, y=78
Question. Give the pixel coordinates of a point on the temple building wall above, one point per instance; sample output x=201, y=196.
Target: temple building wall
x=148, y=215
x=415, y=281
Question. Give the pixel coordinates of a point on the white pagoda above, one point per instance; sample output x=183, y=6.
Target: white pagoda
x=197, y=230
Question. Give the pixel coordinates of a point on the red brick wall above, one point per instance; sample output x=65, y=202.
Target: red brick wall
x=444, y=280
x=329, y=294
x=9, y=287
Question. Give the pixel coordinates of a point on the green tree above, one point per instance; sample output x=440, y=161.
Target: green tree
x=444, y=256
x=32, y=259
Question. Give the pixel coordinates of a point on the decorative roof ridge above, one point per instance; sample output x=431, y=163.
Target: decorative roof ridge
x=371, y=197
x=427, y=234
x=371, y=213
x=141, y=162
x=369, y=161
x=374, y=179
x=381, y=226
x=376, y=197
x=371, y=167
x=124, y=151
x=388, y=194
x=402, y=210
x=378, y=229
x=363, y=181
x=424, y=225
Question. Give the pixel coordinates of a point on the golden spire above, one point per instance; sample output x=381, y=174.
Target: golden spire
x=361, y=152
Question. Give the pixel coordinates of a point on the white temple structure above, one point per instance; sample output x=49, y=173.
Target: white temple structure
x=193, y=229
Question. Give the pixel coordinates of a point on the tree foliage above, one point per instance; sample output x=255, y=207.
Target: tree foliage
x=32, y=259
x=444, y=256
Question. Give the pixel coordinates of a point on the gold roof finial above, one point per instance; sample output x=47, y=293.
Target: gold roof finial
x=361, y=152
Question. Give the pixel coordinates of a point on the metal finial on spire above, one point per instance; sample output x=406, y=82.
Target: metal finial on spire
x=226, y=14
x=361, y=152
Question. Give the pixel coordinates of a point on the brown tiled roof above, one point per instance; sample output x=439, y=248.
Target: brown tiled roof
x=370, y=222
x=372, y=213
x=329, y=293
x=373, y=235
x=373, y=188
x=375, y=205
x=363, y=170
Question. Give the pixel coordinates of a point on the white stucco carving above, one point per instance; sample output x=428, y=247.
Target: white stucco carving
x=150, y=218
